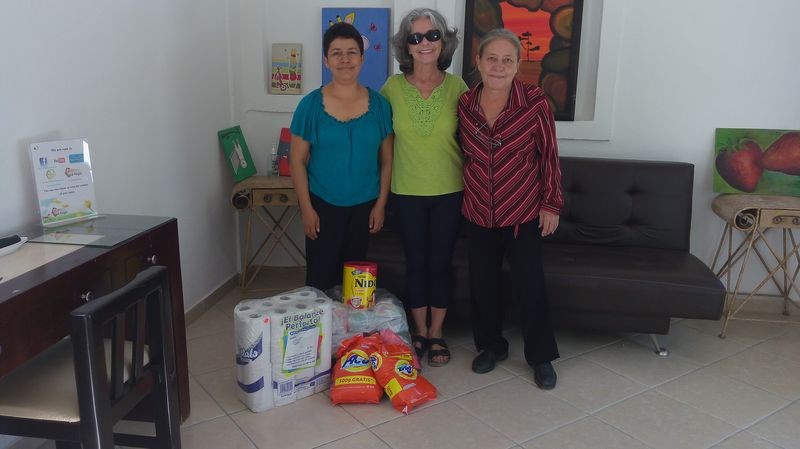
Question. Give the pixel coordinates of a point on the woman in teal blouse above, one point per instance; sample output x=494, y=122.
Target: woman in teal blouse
x=341, y=160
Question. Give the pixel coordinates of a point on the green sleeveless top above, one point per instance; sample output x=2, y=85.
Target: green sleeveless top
x=427, y=158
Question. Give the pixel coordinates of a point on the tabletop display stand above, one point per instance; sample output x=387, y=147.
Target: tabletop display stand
x=257, y=195
x=766, y=222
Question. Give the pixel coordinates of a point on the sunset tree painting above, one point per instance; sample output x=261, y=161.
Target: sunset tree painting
x=549, y=32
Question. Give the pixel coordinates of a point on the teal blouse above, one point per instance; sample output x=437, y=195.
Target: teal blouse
x=344, y=167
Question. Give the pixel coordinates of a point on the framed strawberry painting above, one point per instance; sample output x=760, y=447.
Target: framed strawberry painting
x=762, y=161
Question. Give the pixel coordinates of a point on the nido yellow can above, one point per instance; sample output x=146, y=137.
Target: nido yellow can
x=358, y=284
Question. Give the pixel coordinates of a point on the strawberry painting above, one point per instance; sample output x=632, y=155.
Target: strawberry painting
x=762, y=161
x=740, y=167
x=783, y=155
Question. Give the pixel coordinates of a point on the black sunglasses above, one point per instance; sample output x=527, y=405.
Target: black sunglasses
x=431, y=35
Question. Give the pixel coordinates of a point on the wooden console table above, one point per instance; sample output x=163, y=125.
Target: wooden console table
x=35, y=303
x=756, y=216
x=256, y=195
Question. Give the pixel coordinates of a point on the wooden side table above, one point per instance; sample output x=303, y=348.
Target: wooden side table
x=257, y=195
x=758, y=216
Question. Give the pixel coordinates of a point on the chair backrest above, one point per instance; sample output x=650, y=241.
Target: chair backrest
x=136, y=321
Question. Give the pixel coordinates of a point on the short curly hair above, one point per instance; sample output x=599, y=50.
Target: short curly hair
x=341, y=30
x=400, y=43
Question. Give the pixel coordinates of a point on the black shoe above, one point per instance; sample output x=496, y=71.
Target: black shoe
x=486, y=360
x=544, y=375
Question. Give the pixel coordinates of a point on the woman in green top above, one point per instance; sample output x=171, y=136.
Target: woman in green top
x=427, y=185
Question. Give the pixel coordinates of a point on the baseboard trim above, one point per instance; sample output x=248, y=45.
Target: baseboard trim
x=760, y=303
x=209, y=301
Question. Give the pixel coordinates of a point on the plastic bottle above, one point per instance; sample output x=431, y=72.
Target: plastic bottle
x=273, y=162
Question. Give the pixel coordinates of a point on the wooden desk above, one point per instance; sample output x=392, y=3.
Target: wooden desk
x=35, y=305
x=756, y=216
x=256, y=195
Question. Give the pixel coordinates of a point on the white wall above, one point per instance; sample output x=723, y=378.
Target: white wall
x=150, y=83
x=688, y=67
x=668, y=75
x=147, y=83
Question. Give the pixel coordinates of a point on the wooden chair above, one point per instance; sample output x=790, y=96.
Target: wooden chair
x=75, y=391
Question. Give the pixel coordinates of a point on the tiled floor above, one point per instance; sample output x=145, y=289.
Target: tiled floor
x=613, y=392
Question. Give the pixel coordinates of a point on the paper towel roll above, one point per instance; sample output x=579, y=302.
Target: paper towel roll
x=283, y=300
x=304, y=382
x=298, y=337
x=305, y=293
x=322, y=373
x=304, y=379
x=319, y=305
x=277, y=316
x=294, y=349
x=282, y=388
x=282, y=382
x=299, y=343
x=253, y=370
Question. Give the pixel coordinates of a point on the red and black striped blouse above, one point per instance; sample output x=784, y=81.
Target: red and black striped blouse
x=511, y=170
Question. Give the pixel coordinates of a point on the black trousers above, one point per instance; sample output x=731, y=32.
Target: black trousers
x=343, y=237
x=487, y=247
x=429, y=227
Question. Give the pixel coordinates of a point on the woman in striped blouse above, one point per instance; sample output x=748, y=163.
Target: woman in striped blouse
x=512, y=198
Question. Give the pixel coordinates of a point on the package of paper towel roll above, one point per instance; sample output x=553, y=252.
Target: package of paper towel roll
x=283, y=347
x=387, y=313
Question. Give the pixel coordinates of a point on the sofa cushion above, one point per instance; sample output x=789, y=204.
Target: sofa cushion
x=636, y=281
x=613, y=202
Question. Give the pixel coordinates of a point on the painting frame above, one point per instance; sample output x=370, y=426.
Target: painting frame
x=756, y=161
x=286, y=69
x=374, y=24
x=557, y=70
x=237, y=155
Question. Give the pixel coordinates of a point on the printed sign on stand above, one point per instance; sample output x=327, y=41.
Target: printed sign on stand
x=62, y=170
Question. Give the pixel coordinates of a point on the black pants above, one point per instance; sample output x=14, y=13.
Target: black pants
x=428, y=226
x=487, y=246
x=343, y=237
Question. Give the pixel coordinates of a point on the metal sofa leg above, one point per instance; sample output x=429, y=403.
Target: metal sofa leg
x=662, y=352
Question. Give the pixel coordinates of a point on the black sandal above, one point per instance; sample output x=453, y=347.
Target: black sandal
x=433, y=353
x=424, y=343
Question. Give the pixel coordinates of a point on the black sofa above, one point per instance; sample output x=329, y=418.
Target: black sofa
x=619, y=260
